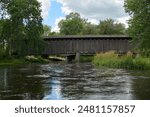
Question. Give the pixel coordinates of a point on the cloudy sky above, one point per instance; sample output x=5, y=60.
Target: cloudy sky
x=93, y=10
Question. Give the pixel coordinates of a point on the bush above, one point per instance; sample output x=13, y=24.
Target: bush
x=145, y=52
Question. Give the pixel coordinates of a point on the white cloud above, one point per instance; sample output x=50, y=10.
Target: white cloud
x=124, y=20
x=93, y=21
x=45, y=6
x=95, y=10
x=56, y=28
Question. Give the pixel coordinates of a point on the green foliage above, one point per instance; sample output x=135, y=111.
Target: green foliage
x=72, y=25
x=145, y=52
x=109, y=27
x=8, y=62
x=26, y=60
x=23, y=28
x=75, y=25
x=128, y=61
x=2, y=52
x=47, y=30
x=103, y=59
x=89, y=29
x=139, y=24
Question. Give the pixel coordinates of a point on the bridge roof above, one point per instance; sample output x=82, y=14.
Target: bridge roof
x=123, y=37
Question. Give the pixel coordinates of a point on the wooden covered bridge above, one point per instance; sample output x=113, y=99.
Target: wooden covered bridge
x=85, y=45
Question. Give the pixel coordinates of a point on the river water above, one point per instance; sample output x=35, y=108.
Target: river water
x=72, y=81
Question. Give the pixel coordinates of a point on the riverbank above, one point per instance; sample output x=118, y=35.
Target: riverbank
x=128, y=61
x=20, y=61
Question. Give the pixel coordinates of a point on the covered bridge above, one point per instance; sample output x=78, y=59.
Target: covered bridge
x=85, y=45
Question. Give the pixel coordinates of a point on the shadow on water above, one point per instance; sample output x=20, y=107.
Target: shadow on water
x=61, y=81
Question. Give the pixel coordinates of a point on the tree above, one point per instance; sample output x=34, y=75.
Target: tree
x=23, y=28
x=109, y=27
x=47, y=30
x=139, y=24
x=89, y=29
x=72, y=25
x=3, y=20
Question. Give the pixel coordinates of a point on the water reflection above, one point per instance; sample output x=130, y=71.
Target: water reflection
x=57, y=81
x=15, y=85
x=141, y=85
x=3, y=81
x=55, y=93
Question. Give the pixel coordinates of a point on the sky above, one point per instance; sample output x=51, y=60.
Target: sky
x=94, y=10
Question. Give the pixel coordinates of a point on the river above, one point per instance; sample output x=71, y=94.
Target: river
x=72, y=81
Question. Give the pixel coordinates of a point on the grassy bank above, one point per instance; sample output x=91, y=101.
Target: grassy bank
x=128, y=61
x=26, y=60
x=12, y=61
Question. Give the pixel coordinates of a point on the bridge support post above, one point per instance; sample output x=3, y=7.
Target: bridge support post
x=77, y=58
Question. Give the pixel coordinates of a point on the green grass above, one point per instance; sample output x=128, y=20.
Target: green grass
x=26, y=60
x=8, y=62
x=128, y=61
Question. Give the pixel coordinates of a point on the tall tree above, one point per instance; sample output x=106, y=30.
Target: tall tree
x=139, y=24
x=23, y=28
x=3, y=21
x=109, y=27
x=72, y=25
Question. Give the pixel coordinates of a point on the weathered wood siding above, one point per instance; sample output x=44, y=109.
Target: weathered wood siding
x=86, y=45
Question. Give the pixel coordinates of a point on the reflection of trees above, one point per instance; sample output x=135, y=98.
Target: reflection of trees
x=19, y=86
x=141, y=88
x=3, y=79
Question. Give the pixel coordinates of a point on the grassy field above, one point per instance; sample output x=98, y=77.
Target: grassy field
x=128, y=61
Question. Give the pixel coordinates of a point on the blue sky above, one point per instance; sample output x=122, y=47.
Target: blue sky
x=53, y=13
x=93, y=10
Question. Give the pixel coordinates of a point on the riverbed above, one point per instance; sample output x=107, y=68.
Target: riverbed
x=72, y=81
